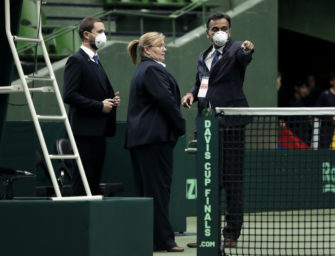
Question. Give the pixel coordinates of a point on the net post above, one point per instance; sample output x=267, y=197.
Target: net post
x=208, y=205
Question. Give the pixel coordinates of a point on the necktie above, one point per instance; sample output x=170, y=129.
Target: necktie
x=96, y=59
x=216, y=58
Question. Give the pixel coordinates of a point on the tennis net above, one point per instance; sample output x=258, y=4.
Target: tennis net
x=276, y=182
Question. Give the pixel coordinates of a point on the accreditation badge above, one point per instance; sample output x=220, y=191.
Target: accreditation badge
x=203, y=87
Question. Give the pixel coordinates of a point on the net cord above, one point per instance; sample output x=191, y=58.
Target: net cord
x=275, y=111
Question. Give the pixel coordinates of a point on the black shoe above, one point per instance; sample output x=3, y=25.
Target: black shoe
x=229, y=242
x=192, y=245
x=176, y=249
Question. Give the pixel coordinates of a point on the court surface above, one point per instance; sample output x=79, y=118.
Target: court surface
x=293, y=232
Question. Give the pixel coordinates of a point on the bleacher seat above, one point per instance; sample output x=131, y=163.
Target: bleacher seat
x=29, y=24
x=29, y=14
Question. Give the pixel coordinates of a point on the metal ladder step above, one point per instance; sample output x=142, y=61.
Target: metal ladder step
x=27, y=39
x=63, y=156
x=40, y=78
x=42, y=117
x=42, y=89
x=11, y=88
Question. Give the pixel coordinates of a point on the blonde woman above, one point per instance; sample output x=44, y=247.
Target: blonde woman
x=154, y=123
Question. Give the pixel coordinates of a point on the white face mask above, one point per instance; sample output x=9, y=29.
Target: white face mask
x=220, y=38
x=100, y=40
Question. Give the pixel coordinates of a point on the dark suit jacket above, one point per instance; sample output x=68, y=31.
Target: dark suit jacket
x=86, y=85
x=225, y=78
x=154, y=113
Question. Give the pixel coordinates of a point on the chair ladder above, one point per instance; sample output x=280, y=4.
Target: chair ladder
x=37, y=118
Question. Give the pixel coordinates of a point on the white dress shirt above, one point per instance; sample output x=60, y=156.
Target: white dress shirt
x=159, y=62
x=89, y=52
x=210, y=56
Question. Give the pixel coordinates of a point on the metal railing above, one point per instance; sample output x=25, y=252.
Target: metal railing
x=142, y=15
x=173, y=16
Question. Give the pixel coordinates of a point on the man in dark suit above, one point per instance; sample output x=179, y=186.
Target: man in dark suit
x=219, y=82
x=92, y=103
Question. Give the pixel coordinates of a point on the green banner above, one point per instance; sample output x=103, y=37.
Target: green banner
x=289, y=179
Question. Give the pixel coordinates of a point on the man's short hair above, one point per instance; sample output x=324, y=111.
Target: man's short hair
x=217, y=16
x=87, y=24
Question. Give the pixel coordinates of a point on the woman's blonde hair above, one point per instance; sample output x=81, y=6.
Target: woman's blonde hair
x=146, y=40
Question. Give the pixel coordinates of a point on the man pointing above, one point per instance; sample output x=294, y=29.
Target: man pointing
x=219, y=81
